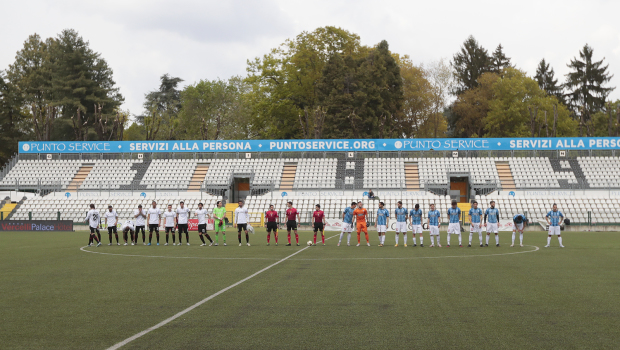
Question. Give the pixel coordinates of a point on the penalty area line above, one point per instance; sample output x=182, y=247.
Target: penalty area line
x=181, y=313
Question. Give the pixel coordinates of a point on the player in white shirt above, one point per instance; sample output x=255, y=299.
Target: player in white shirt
x=127, y=226
x=154, y=219
x=111, y=218
x=241, y=220
x=140, y=216
x=182, y=217
x=169, y=223
x=92, y=218
x=203, y=215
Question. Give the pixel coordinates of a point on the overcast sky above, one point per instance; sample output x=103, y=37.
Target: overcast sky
x=207, y=39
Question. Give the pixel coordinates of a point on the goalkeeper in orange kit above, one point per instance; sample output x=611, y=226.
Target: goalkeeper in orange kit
x=360, y=214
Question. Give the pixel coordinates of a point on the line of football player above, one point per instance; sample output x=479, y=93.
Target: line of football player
x=353, y=216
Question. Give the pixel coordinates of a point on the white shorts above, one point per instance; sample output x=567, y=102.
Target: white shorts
x=434, y=230
x=492, y=227
x=454, y=228
x=475, y=227
x=519, y=226
x=417, y=229
x=381, y=228
x=554, y=230
x=346, y=227
x=401, y=227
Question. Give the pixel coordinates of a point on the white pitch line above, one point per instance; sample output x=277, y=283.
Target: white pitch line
x=179, y=314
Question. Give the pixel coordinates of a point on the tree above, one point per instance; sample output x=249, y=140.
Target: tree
x=13, y=121
x=469, y=64
x=81, y=83
x=418, y=97
x=135, y=132
x=31, y=78
x=545, y=76
x=362, y=97
x=471, y=108
x=162, y=109
x=519, y=108
x=586, y=85
x=499, y=61
x=285, y=81
x=215, y=110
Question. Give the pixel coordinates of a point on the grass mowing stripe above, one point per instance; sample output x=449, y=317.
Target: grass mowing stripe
x=171, y=257
x=179, y=314
x=429, y=257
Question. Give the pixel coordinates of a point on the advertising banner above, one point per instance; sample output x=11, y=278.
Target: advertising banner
x=36, y=225
x=471, y=144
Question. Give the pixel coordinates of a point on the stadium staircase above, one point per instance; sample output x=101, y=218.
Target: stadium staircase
x=464, y=211
x=505, y=176
x=230, y=211
x=7, y=209
x=412, y=176
x=288, y=177
x=79, y=177
x=198, y=177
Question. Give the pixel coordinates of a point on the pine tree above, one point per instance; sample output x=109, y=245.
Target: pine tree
x=586, y=85
x=469, y=64
x=545, y=76
x=499, y=61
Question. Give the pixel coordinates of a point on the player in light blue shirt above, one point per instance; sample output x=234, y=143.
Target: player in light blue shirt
x=433, y=220
x=401, y=222
x=415, y=215
x=493, y=215
x=347, y=223
x=383, y=217
x=554, y=220
x=475, y=216
x=519, y=222
x=454, y=227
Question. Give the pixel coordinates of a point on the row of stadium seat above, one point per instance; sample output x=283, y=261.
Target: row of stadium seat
x=379, y=173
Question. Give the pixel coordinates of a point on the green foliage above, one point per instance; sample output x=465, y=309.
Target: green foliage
x=215, y=110
x=13, y=120
x=66, y=86
x=513, y=96
x=471, y=108
x=545, y=77
x=284, y=82
x=135, y=132
x=586, y=85
x=363, y=97
x=162, y=107
x=499, y=61
x=469, y=64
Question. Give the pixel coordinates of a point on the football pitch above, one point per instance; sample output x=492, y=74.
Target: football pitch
x=56, y=295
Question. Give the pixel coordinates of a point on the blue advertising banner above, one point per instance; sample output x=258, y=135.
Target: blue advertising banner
x=480, y=144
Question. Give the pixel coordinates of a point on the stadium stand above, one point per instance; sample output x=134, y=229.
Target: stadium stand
x=47, y=208
x=388, y=173
x=601, y=171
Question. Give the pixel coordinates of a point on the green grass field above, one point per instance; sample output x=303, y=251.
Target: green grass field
x=56, y=296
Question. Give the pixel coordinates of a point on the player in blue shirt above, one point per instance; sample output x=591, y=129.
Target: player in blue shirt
x=347, y=223
x=554, y=220
x=493, y=215
x=433, y=221
x=415, y=215
x=454, y=227
x=519, y=222
x=401, y=222
x=475, y=217
x=383, y=218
